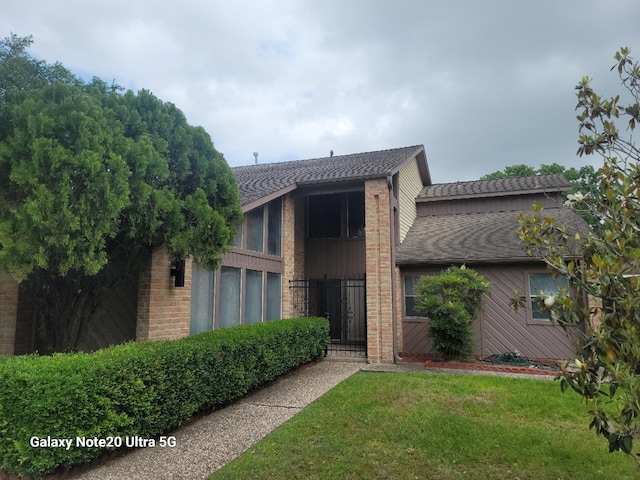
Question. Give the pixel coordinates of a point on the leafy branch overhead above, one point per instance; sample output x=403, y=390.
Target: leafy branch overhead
x=602, y=266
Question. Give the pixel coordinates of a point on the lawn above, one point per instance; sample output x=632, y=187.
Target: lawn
x=434, y=426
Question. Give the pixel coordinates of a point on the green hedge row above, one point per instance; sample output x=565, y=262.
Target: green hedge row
x=138, y=389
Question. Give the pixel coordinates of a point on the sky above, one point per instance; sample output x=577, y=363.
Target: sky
x=481, y=84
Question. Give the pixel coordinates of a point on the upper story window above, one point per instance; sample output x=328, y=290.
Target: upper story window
x=336, y=215
x=263, y=229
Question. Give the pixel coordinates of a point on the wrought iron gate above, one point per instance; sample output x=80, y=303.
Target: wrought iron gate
x=343, y=302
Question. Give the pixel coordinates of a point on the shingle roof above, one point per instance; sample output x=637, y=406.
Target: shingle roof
x=259, y=181
x=473, y=237
x=502, y=186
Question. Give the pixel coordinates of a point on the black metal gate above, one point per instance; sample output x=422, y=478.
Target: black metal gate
x=343, y=302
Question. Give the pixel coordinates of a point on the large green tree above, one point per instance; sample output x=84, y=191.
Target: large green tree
x=91, y=180
x=605, y=271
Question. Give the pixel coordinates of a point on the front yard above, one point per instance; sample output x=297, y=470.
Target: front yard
x=434, y=426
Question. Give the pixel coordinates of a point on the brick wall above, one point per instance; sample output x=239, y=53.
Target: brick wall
x=8, y=313
x=380, y=272
x=163, y=309
x=293, y=238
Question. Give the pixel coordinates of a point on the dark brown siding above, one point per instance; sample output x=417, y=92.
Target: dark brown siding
x=499, y=329
x=252, y=260
x=492, y=204
x=338, y=258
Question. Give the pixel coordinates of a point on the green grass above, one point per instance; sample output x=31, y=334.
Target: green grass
x=431, y=426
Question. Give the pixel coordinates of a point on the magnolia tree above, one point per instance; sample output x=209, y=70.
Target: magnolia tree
x=603, y=269
x=91, y=180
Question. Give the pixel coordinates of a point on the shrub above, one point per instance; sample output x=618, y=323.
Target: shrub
x=139, y=389
x=452, y=300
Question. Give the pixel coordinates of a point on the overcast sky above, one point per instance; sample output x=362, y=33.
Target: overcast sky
x=481, y=84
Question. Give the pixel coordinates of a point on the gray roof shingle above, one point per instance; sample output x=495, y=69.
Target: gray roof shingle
x=503, y=186
x=473, y=237
x=258, y=181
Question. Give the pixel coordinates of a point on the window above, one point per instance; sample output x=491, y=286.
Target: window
x=410, y=284
x=237, y=242
x=543, y=284
x=355, y=214
x=274, y=230
x=325, y=216
x=253, y=297
x=202, y=295
x=255, y=229
x=230, y=282
x=274, y=296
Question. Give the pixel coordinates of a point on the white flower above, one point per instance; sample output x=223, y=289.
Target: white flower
x=574, y=198
x=549, y=300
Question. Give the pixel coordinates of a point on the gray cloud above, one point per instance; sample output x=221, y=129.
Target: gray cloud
x=482, y=85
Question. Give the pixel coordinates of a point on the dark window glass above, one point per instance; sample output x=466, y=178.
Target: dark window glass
x=274, y=227
x=324, y=216
x=355, y=213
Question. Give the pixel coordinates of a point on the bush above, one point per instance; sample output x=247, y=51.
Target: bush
x=452, y=300
x=138, y=389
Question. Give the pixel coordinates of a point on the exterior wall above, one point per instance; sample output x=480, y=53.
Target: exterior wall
x=498, y=328
x=8, y=313
x=505, y=203
x=409, y=186
x=335, y=257
x=163, y=309
x=380, y=272
x=293, y=234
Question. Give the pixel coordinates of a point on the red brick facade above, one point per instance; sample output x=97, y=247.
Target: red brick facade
x=163, y=309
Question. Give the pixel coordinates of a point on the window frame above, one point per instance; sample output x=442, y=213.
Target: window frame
x=533, y=296
x=405, y=296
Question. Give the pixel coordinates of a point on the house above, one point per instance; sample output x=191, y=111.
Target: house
x=474, y=224
x=347, y=237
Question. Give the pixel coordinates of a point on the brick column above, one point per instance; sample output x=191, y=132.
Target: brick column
x=163, y=309
x=380, y=272
x=293, y=238
x=8, y=313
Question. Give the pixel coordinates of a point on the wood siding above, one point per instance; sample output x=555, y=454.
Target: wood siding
x=491, y=204
x=498, y=328
x=409, y=186
x=252, y=260
x=339, y=258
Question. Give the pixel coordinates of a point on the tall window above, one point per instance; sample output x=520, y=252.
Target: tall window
x=253, y=297
x=355, y=214
x=274, y=227
x=543, y=285
x=274, y=296
x=230, y=283
x=255, y=230
x=410, y=284
x=202, y=298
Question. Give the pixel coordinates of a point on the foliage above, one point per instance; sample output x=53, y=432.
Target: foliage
x=452, y=301
x=142, y=389
x=433, y=426
x=602, y=268
x=90, y=176
x=582, y=180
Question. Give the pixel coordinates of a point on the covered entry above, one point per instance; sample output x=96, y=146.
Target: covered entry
x=342, y=302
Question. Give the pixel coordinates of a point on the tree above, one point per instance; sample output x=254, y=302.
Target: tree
x=452, y=301
x=602, y=269
x=92, y=179
x=582, y=180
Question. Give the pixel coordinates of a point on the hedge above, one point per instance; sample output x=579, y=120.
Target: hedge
x=138, y=389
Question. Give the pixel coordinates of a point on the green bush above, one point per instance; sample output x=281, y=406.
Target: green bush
x=138, y=389
x=452, y=300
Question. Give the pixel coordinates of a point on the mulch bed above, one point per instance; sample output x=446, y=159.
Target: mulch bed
x=479, y=365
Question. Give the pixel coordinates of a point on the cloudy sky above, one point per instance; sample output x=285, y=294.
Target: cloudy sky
x=481, y=84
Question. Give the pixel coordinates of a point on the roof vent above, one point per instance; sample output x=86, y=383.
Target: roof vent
x=331, y=153
x=255, y=155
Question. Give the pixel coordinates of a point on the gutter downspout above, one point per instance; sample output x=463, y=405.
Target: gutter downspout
x=392, y=223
